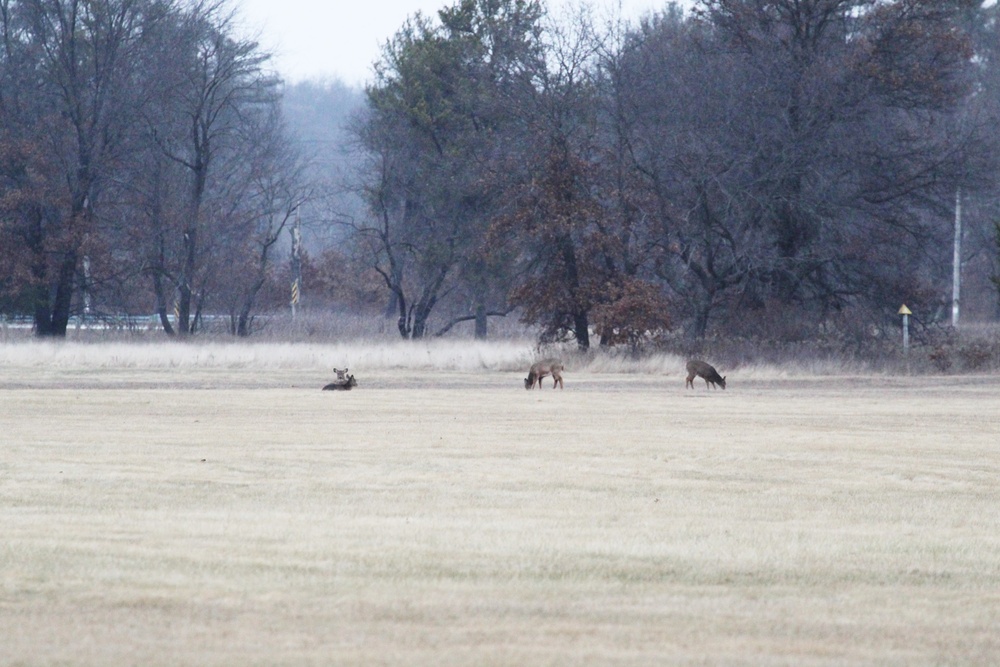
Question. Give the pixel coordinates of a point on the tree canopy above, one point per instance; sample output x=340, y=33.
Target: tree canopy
x=746, y=167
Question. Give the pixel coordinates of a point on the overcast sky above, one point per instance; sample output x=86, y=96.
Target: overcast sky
x=341, y=38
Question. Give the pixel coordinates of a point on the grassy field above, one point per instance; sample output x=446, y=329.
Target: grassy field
x=210, y=506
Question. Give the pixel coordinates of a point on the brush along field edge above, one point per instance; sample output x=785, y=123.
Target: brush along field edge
x=450, y=517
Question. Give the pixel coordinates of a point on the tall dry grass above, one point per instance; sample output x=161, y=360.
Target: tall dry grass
x=440, y=355
x=371, y=342
x=366, y=356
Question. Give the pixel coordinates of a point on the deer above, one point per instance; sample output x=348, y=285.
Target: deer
x=696, y=368
x=540, y=369
x=341, y=374
x=345, y=384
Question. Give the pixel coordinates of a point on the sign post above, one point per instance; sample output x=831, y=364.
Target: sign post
x=906, y=312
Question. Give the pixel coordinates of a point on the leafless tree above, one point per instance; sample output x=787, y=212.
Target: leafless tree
x=216, y=87
x=792, y=149
x=76, y=112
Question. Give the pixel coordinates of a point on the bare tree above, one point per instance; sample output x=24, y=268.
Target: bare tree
x=77, y=112
x=216, y=85
x=274, y=189
x=788, y=145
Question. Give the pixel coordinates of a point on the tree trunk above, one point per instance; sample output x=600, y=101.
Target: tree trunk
x=245, y=319
x=199, y=181
x=701, y=315
x=41, y=298
x=184, y=291
x=64, y=295
x=403, y=323
x=581, y=328
x=244, y=322
x=392, y=307
x=43, y=315
x=428, y=299
x=161, y=303
x=420, y=315
x=52, y=309
x=419, y=326
x=482, y=323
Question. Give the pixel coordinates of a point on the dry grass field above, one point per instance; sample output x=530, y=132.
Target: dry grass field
x=210, y=506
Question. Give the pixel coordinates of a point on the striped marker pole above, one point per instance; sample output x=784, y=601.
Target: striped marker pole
x=296, y=263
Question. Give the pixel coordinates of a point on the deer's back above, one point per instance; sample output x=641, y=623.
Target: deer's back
x=546, y=366
x=701, y=369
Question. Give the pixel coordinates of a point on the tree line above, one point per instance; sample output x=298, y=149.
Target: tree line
x=143, y=162
x=749, y=167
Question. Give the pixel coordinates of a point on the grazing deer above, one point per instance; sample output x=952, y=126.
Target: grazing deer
x=706, y=371
x=346, y=384
x=540, y=369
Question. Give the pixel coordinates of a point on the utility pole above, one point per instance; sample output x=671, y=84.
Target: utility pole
x=956, y=272
x=296, y=233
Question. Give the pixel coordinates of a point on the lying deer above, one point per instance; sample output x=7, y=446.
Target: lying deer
x=540, y=369
x=345, y=384
x=705, y=371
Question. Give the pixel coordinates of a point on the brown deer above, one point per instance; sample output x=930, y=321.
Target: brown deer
x=706, y=371
x=345, y=384
x=540, y=369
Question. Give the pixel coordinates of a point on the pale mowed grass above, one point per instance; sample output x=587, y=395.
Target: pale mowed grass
x=229, y=513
